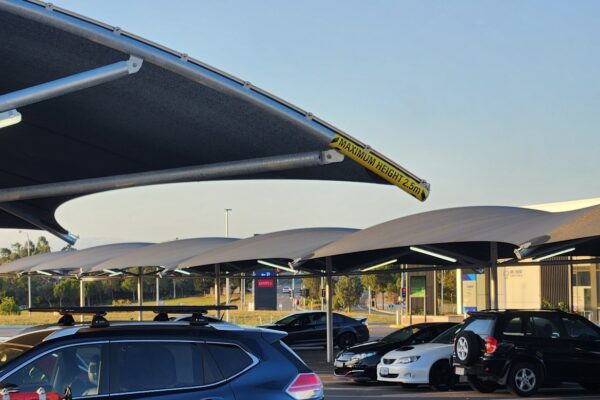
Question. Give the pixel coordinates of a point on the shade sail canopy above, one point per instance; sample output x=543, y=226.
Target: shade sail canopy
x=86, y=258
x=283, y=245
x=167, y=254
x=26, y=263
x=463, y=231
x=174, y=112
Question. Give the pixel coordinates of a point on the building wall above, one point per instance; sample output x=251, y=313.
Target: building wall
x=519, y=287
x=555, y=284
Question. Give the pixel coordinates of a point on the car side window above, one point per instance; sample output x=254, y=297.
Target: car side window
x=580, y=330
x=543, y=327
x=230, y=359
x=513, y=327
x=148, y=366
x=77, y=367
x=300, y=321
x=316, y=319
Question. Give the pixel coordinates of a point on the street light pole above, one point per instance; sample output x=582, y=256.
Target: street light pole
x=227, y=288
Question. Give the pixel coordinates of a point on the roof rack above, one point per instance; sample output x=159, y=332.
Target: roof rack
x=162, y=313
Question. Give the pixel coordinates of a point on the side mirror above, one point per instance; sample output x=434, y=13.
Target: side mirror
x=68, y=395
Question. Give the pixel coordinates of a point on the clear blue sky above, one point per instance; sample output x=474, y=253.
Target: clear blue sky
x=492, y=102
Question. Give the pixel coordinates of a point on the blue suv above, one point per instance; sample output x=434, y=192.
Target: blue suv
x=155, y=360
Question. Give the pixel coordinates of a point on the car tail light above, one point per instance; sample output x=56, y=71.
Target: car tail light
x=306, y=387
x=490, y=344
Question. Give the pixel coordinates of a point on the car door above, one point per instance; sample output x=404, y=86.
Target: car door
x=296, y=330
x=316, y=328
x=547, y=341
x=165, y=369
x=584, y=344
x=81, y=367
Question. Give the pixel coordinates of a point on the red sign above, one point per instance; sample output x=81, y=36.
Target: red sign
x=265, y=283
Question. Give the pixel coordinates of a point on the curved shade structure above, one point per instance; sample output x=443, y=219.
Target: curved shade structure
x=160, y=110
x=167, y=254
x=464, y=231
x=26, y=263
x=283, y=245
x=86, y=258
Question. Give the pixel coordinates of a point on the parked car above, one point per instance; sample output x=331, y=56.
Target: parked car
x=360, y=362
x=525, y=350
x=422, y=364
x=309, y=328
x=156, y=360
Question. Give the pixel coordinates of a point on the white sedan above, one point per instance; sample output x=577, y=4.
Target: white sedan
x=421, y=364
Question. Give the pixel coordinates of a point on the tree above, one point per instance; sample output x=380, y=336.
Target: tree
x=348, y=291
x=66, y=289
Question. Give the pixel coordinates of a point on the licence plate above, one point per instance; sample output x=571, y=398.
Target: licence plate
x=459, y=371
x=384, y=371
x=338, y=364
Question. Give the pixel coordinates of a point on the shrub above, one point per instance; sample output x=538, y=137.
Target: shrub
x=8, y=306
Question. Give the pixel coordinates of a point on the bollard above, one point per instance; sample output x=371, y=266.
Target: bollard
x=41, y=393
x=5, y=394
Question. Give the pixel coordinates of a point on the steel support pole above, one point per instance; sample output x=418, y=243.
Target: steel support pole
x=69, y=84
x=184, y=174
x=493, y=275
x=243, y=291
x=29, y=296
x=227, y=297
x=158, y=290
x=218, y=288
x=329, y=313
x=459, y=292
x=369, y=301
x=435, y=301
x=140, y=291
x=81, y=293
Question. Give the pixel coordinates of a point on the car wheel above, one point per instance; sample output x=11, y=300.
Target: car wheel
x=441, y=376
x=409, y=385
x=467, y=347
x=592, y=387
x=346, y=340
x=482, y=386
x=524, y=379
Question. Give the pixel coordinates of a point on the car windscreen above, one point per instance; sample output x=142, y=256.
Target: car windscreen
x=10, y=351
x=401, y=335
x=447, y=337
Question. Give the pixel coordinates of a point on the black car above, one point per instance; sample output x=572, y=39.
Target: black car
x=156, y=360
x=360, y=362
x=525, y=350
x=310, y=328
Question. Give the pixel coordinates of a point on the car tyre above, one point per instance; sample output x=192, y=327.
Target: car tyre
x=441, y=376
x=467, y=348
x=409, y=385
x=346, y=340
x=592, y=387
x=524, y=379
x=482, y=386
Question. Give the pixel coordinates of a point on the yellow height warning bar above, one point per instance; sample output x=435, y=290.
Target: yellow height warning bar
x=376, y=163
